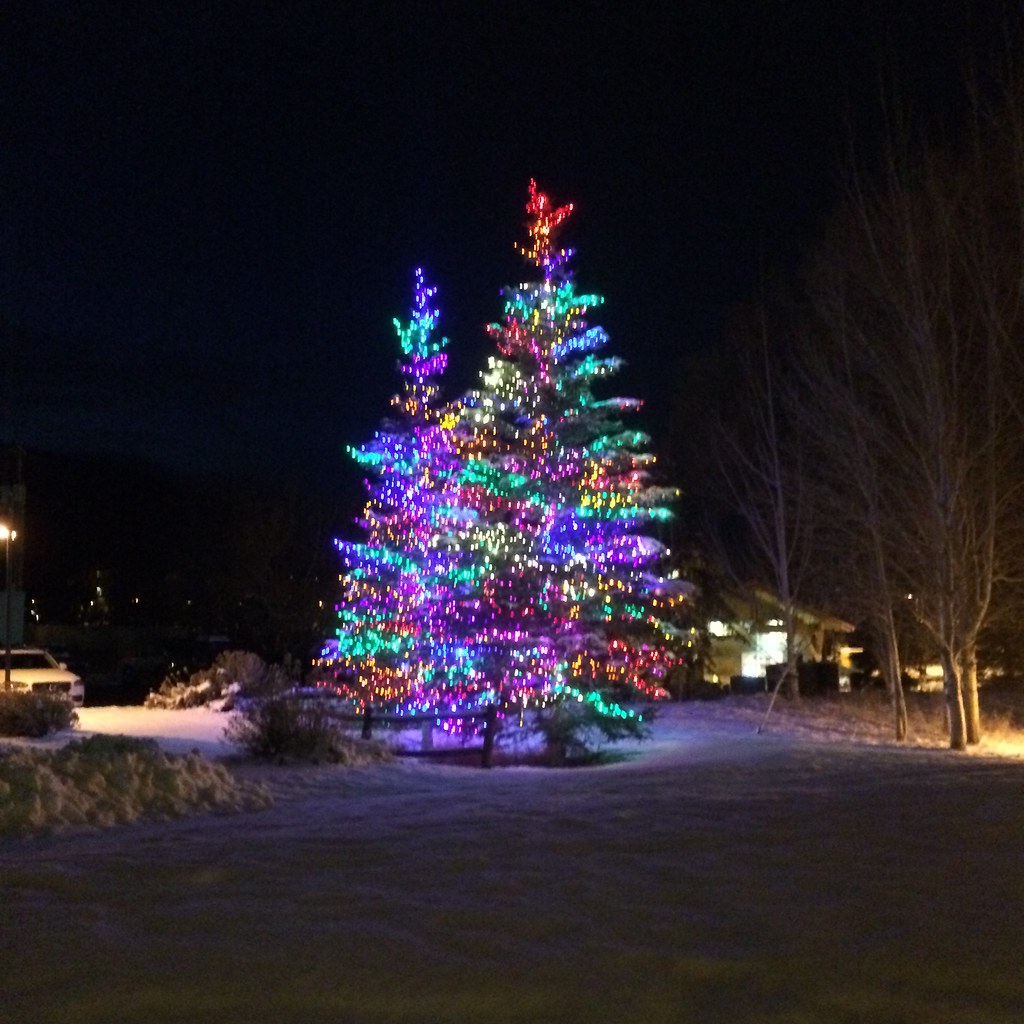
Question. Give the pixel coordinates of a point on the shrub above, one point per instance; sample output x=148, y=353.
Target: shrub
x=288, y=727
x=108, y=780
x=35, y=714
x=232, y=672
x=574, y=730
x=102, y=747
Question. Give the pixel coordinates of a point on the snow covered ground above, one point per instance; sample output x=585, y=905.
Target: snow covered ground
x=814, y=873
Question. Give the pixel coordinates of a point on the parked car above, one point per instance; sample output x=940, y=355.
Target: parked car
x=37, y=670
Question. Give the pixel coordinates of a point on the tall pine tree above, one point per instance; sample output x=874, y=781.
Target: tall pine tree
x=564, y=597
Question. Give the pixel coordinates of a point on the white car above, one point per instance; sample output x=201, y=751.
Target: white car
x=34, y=669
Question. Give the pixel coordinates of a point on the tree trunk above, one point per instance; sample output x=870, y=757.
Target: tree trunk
x=792, y=683
x=972, y=706
x=792, y=678
x=893, y=672
x=896, y=695
x=954, y=703
x=899, y=706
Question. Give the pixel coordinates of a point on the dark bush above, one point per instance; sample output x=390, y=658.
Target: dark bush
x=700, y=689
x=818, y=678
x=35, y=714
x=288, y=727
x=574, y=730
x=103, y=747
x=232, y=673
x=748, y=684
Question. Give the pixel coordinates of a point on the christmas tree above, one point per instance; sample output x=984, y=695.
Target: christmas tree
x=391, y=630
x=505, y=559
x=564, y=599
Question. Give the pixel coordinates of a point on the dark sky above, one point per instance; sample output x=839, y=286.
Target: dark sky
x=211, y=211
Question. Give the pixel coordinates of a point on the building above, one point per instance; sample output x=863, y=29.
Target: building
x=751, y=638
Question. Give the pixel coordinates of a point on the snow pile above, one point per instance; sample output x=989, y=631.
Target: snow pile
x=178, y=732
x=105, y=781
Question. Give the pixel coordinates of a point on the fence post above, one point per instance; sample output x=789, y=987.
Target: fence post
x=490, y=725
x=367, y=721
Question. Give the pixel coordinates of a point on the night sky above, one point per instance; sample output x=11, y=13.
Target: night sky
x=212, y=211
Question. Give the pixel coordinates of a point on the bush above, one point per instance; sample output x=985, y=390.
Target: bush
x=288, y=727
x=108, y=780
x=232, y=673
x=574, y=730
x=104, y=748
x=703, y=689
x=35, y=714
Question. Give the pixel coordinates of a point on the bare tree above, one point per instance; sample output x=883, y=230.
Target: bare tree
x=914, y=302
x=853, y=486
x=762, y=467
x=889, y=441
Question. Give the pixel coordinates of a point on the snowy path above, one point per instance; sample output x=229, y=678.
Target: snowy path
x=717, y=876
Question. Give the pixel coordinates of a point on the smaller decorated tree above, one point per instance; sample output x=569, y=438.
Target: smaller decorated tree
x=391, y=629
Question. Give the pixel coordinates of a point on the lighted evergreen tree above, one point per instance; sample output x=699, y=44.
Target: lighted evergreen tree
x=505, y=558
x=391, y=631
x=564, y=597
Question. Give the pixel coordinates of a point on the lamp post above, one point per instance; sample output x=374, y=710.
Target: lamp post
x=7, y=535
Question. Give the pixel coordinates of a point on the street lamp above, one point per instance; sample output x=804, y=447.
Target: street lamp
x=7, y=535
